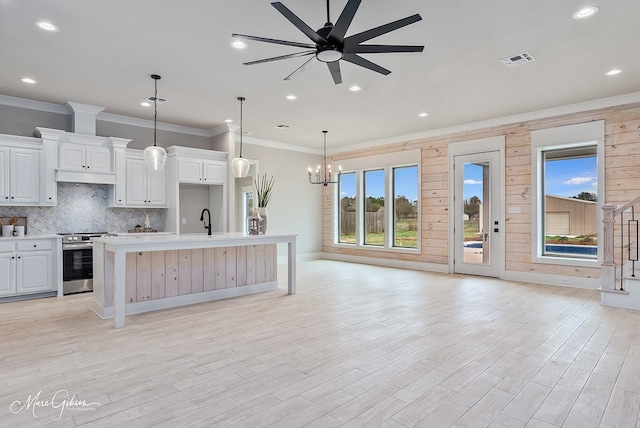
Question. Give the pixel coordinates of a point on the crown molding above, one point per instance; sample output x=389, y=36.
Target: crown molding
x=146, y=123
x=615, y=101
x=7, y=100
x=277, y=145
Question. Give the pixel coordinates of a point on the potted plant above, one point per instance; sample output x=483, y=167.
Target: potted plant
x=264, y=189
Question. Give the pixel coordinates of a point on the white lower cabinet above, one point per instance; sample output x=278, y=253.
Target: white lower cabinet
x=26, y=267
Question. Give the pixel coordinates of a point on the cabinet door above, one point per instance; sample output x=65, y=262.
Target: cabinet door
x=72, y=156
x=157, y=187
x=213, y=172
x=4, y=175
x=49, y=183
x=98, y=159
x=189, y=170
x=136, y=182
x=25, y=176
x=7, y=274
x=34, y=272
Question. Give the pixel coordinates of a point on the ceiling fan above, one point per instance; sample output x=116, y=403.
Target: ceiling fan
x=330, y=44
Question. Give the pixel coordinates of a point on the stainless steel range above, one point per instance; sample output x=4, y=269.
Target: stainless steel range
x=77, y=261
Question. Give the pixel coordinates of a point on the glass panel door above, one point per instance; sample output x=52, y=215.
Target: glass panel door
x=478, y=249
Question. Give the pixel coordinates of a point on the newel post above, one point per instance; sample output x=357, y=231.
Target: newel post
x=608, y=270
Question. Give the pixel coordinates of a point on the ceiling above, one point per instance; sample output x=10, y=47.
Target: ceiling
x=105, y=52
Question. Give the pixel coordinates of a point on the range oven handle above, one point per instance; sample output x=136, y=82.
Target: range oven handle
x=80, y=246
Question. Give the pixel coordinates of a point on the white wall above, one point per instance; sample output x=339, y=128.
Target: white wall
x=296, y=205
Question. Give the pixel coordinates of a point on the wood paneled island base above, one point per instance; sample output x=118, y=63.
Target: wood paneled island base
x=140, y=274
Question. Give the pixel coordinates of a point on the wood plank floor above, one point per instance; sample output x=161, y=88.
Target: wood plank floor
x=358, y=346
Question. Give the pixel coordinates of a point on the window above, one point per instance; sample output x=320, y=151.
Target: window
x=374, y=224
x=347, y=208
x=405, y=207
x=569, y=206
x=568, y=187
x=377, y=202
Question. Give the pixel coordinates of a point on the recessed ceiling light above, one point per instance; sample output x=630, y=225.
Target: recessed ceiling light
x=585, y=12
x=145, y=104
x=47, y=26
x=238, y=44
x=228, y=121
x=423, y=114
x=613, y=72
x=291, y=97
x=28, y=80
x=355, y=88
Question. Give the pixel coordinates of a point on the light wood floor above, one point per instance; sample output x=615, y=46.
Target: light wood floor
x=358, y=346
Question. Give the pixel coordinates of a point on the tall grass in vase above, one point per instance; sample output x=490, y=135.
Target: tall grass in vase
x=264, y=189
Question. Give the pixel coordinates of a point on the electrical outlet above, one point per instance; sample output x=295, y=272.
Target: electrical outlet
x=184, y=220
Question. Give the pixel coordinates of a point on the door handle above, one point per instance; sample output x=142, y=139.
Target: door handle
x=485, y=237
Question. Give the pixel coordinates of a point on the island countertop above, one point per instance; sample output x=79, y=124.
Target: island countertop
x=120, y=246
x=189, y=240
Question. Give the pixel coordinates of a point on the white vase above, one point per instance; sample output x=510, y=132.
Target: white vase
x=263, y=214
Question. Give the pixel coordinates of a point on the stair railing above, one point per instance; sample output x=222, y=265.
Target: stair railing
x=627, y=247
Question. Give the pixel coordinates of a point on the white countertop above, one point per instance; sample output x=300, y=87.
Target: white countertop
x=188, y=240
x=22, y=238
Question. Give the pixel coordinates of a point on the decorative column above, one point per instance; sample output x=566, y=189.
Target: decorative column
x=608, y=270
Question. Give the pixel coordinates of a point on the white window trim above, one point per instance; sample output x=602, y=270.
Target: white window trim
x=564, y=137
x=384, y=162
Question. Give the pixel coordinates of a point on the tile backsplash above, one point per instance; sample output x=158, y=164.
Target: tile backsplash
x=84, y=208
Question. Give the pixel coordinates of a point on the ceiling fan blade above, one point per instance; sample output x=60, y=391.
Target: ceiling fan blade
x=277, y=58
x=358, y=60
x=334, y=68
x=308, y=31
x=344, y=20
x=378, y=31
x=299, y=69
x=276, y=41
x=382, y=49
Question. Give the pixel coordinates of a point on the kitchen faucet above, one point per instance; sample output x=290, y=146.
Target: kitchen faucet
x=208, y=227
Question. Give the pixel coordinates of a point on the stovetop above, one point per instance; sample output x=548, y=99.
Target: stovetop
x=85, y=236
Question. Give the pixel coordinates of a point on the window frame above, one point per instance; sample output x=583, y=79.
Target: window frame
x=371, y=163
x=562, y=138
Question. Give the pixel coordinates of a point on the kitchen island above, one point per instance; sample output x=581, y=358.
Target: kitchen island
x=135, y=274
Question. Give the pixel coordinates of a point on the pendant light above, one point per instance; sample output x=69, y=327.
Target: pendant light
x=240, y=166
x=155, y=157
x=323, y=173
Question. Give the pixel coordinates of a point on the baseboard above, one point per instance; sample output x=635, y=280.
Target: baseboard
x=549, y=279
x=282, y=260
x=429, y=267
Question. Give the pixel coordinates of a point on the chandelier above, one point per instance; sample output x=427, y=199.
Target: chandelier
x=323, y=174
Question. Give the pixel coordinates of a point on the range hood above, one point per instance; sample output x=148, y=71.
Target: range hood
x=70, y=176
x=83, y=157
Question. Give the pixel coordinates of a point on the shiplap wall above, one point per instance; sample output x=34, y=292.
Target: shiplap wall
x=622, y=183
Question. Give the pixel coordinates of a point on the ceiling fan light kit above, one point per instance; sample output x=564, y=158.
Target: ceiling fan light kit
x=330, y=44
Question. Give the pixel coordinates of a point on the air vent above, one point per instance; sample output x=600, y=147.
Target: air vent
x=281, y=126
x=518, y=59
x=150, y=99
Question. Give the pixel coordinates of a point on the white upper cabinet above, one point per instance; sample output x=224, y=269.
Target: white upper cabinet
x=20, y=176
x=86, y=158
x=145, y=187
x=199, y=171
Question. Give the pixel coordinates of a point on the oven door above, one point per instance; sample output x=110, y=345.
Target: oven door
x=77, y=263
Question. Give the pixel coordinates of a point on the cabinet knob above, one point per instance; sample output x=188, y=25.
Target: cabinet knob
x=50, y=198
x=19, y=257
x=87, y=166
x=13, y=258
x=35, y=246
